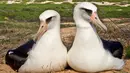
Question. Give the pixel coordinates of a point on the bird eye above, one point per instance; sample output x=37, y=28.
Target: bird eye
x=95, y=17
x=42, y=26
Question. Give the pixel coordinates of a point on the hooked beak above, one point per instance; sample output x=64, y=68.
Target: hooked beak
x=41, y=31
x=95, y=19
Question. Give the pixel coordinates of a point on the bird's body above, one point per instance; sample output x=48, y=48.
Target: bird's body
x=17, y=57
x=51, y=57
x=87, y=53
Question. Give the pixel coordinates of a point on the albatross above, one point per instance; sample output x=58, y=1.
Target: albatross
x=88, y=54
x=48, y=54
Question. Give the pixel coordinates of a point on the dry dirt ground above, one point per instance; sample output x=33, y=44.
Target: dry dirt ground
x=119, y=32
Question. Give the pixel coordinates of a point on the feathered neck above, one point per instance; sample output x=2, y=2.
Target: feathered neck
x=85, y=31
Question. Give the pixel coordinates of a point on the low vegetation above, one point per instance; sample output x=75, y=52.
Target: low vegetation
x=22, y=12
x=114, y=12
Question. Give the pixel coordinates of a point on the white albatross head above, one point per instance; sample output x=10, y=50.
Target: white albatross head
x=88, y=12
x=48, y=20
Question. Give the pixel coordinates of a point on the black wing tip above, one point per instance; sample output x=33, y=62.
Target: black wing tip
x=17, y=57
x=14, y=60
x=9, y=61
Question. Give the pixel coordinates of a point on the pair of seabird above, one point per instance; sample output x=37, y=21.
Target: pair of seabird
x=46, y=53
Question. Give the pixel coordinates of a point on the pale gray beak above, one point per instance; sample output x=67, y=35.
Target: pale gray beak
x=95, y=20
x=42, y=29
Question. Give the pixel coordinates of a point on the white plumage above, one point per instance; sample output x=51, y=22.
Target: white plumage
x=87, y=53
x=49, y=53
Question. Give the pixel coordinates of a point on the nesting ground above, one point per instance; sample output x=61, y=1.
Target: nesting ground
x=13, y=34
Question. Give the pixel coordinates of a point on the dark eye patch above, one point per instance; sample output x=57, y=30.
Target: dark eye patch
x=48, y=20
x=42, y=26
x=89, y=12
